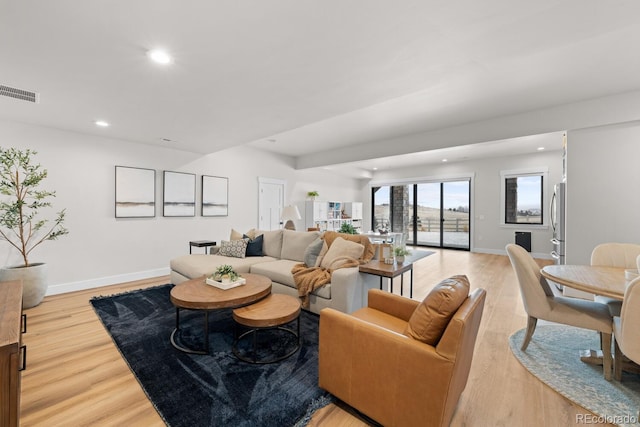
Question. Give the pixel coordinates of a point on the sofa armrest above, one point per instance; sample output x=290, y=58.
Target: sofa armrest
x=395, y=305
x=346, y=289
x=384, y=374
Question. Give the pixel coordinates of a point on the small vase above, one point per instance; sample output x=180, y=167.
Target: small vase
x=226, y=279
x=400, y=259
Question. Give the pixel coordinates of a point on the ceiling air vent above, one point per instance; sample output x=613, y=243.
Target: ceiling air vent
x=24, y=95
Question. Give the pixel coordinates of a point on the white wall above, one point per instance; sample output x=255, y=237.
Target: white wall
x=487, y=234
x=603, y=200
x=101, y=249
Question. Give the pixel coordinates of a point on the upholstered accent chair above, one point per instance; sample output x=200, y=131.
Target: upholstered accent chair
x=625, y=328
x=369, y=360
x=621, y=255
x=541, y=303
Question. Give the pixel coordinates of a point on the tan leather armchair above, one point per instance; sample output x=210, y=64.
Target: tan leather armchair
x=367, y=362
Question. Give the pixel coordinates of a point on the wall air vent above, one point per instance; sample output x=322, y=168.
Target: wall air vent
x=24, y=95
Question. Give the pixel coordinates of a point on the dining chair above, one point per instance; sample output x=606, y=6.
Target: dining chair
x=622, y=255
x=541, y=303
x=625, y=329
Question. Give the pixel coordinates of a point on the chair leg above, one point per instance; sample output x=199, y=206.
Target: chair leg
x=606, y=355
x=531, y=327
x=617, y=361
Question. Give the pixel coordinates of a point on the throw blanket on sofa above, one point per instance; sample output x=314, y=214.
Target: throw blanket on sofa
x=310, y=278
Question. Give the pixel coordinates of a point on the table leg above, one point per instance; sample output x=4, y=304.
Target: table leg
x=411, y=282
x=401, y=283
x=177, y=331
x=380, y=282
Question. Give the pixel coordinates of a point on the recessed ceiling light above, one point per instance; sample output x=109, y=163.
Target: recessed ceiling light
x=375, y=169
x=101, y=123
x=160, y=56
x=444, y=160
x=540, y=148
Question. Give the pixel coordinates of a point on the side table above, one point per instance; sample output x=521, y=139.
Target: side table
x=379, y=268
x=272, y=312
x=201, y=244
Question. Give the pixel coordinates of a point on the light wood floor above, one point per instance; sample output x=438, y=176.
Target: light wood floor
x=76, y=377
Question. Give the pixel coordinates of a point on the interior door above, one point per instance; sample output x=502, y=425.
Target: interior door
x=270, y=203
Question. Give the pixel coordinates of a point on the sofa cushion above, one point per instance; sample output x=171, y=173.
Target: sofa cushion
x=254, y=246
x=431, y=317
x=294, y=243
x=312, y=252
x=198, y=265
x=341, y=248
x=272, y=243
x=234, y=248
x=280, y=271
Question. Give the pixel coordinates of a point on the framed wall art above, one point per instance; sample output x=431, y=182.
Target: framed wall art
x=179, y=194
x=215, y=196
x=135, y=192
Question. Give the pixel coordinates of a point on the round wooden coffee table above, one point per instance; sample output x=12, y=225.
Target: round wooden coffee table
x=195, y=294
x=272, y=312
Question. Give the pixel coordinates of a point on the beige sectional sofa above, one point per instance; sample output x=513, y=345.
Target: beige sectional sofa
x=281, y=250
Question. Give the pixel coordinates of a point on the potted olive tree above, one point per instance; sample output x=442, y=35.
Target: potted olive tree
x=21, y=225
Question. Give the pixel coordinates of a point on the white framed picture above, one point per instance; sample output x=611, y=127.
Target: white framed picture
x=179, y=194
x=215, y=196
x=135, y=192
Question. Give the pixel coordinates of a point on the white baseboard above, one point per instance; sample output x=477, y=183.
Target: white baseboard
x=106, y=281
x=504, y=252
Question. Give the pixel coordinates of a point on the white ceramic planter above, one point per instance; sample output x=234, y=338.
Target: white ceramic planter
x=34, y=282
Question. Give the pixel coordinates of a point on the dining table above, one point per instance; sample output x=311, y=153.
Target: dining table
x=594, y=279
x=599, y=280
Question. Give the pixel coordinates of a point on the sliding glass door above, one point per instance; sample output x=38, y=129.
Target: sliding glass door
x=455, y=214
x=428, y=214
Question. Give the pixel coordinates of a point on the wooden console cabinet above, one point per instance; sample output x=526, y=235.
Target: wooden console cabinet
x=11, y=351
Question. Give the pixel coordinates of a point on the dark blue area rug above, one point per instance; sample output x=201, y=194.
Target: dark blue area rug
x=215, y=389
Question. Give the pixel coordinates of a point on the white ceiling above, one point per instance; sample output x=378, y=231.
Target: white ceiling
x=310, y=79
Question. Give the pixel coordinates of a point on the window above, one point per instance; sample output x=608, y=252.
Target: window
x=523, y=197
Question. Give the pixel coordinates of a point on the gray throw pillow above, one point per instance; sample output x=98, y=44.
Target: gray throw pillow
x=312, y=251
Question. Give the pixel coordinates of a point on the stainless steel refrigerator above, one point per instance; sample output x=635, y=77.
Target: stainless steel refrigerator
x=557, y=212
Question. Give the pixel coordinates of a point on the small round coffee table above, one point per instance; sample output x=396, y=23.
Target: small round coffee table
x=272, y=312
x=195, y=294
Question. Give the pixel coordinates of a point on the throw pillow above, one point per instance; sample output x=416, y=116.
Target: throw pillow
x=254, y=246
x=234, y=248
x=338, y=249
x=431, y=317
x=236, y=235
x=312, y=252
x=322, y=253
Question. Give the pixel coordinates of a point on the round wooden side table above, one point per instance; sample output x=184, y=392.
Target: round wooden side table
x=271, y=312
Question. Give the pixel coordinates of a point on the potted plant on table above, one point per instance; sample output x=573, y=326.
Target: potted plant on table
x=225, y=274
x=20, y=223
x=312, y=195
x=400, y=252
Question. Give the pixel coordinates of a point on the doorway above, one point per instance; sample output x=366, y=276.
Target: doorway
x=441, y=214
x=270, y=203
x=434, y=213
